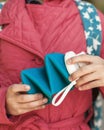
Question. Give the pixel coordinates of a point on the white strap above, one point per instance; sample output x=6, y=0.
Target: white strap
x=65, y=92
x=70, y=68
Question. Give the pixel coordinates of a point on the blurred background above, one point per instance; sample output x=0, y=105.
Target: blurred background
x=98, y=3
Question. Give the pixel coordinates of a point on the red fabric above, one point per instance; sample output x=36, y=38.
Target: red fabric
x=30, y=32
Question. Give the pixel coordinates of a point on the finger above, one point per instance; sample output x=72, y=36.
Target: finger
x=82, y=58
x=90, y=85
x=22, y=111
x=16, y=88
x=82, y=71
x=24, y=98
x=34, y=104
x=36, y=108
x=87, y=78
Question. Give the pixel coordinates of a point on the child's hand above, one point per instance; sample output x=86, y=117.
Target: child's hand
x=89, y=76
x=18, y=102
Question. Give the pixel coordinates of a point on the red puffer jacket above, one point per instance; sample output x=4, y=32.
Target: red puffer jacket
x=30, y=32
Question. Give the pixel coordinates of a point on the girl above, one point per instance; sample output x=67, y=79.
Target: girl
x=30, y=31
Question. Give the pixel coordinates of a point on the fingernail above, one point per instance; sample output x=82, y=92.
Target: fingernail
x=70, y=79
x=27, y=87
x=68, y=61
x=40, y=95
x=45, y=100
x=80, y=88
x=43, y=106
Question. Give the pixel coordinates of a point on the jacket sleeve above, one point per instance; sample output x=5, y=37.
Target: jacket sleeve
x=13, y=59
x=5, y=82
x=3, y=116
x=102, y=47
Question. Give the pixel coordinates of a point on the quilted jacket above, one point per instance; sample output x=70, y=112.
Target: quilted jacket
x=29, y=33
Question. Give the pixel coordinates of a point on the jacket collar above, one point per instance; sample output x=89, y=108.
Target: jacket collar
x=20, y=29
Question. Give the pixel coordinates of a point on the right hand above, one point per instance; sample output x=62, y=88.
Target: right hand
x=19, y=102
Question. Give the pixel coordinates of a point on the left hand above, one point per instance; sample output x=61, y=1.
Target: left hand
x=89, y=76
